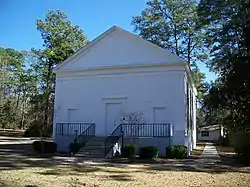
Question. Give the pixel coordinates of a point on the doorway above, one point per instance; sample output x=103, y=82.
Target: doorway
x=112, y=116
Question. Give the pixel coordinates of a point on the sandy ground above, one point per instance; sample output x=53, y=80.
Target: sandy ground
x=19, y=167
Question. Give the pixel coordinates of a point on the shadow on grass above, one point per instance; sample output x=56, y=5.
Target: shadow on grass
x=21, y=156
x=11, y=133
x=122, y=177
x=208, y=165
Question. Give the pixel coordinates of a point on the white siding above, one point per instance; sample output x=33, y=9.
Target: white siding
x=121, y=48
x=213, y=136
x=190, y=138
x=119, y=67
x=139, y=90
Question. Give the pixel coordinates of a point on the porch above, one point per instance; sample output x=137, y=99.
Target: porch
x=146, y=134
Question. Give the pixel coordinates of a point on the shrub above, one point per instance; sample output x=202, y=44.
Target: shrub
x=241, y=144
x=243, y=154
x=176, y=151
x=37, y=146
x=44, y=146
x=74, y=147
x=222, y=141
x=34, y=130
x=128, y=151
x=149, y=152
x=170, y=152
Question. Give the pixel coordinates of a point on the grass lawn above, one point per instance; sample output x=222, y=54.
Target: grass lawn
x=172, y=173
x=19, y=167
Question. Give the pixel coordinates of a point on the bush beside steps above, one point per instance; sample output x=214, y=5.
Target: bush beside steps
x=129, y=151
x=148, y=152
x=74, y=147
x=176, y=151
x=44, y=147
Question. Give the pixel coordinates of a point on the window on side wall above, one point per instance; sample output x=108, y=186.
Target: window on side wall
x=205, y=133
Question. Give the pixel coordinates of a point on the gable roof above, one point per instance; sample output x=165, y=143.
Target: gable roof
x=209, y=128
x=117, y=30
x=153, y=54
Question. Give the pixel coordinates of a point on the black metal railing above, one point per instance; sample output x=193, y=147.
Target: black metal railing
x=147, y=130
x=84, y=137
x=71, y=129
x=112, y=139
x=160, y=130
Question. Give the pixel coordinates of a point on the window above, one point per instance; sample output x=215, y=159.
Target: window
x=205, y=133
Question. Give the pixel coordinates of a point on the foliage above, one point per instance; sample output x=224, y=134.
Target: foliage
x=37, y=146
x=16, y=85
x=149, y=152
x=243, y=154
x=60, y=40
x=34, y=130
x=44, y=146
x=228, y=37
x=128, y=151
x=176, y=151
x=222, y=141
x=174, y=25
x=74, y=147
x=27, y=80
x=241, y=143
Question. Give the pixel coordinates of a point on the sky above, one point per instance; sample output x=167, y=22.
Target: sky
x=18, y=19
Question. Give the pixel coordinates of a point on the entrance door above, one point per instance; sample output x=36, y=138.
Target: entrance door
x=113, y=115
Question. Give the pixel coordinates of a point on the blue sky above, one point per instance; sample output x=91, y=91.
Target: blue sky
x=18, y=19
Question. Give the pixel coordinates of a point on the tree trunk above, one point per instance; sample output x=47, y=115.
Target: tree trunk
x=176, y=41
x=47, y=95
x=22, y=114
x=189, y=50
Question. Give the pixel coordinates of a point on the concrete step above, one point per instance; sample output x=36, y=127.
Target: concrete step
x=98, y=139
x=94, y=148
x=91, y=151
x=95, y=143
x=90, y=155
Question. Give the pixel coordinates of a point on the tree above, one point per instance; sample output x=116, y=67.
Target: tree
x=27, y=80
x=60, y=40
x=174, y=25
x=13, y=84
x=229, y=40
x=15, y=89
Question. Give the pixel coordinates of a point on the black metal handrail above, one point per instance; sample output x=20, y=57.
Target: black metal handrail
x=112, y=139
x=147, y=130
x=160, y=130
x=71, y=129
x=84, y=137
